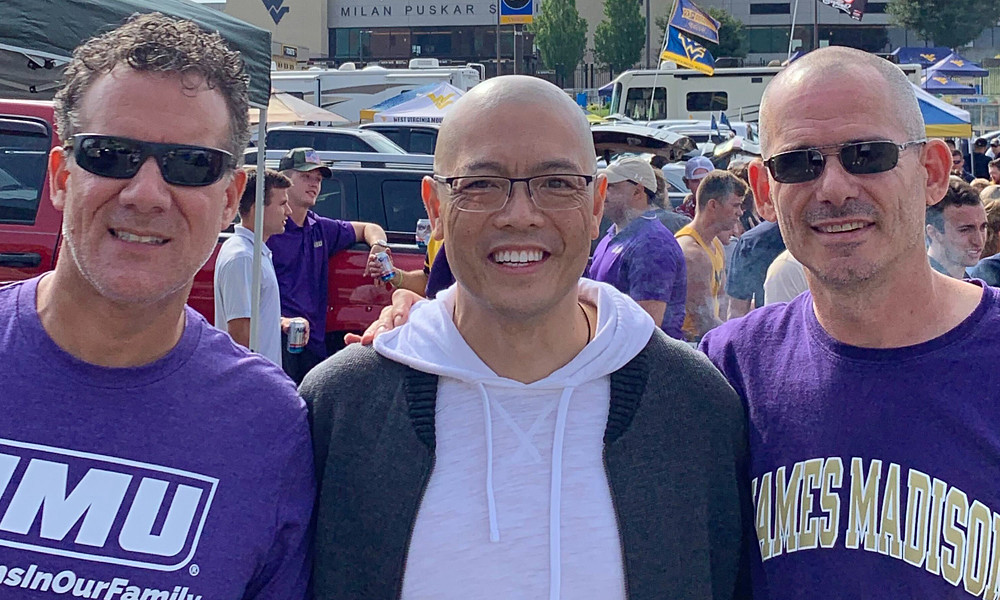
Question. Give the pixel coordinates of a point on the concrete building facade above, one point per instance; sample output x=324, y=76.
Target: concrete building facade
x=390, y=32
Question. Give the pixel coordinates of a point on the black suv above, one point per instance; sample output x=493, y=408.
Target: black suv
x=414, y=138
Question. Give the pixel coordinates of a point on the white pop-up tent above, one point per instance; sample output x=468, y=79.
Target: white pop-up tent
x=428, y=107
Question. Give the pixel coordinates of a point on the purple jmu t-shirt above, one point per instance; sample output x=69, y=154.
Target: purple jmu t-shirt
x=301, y=257
x=188, y=478
x=875, y=473
x=645, y=262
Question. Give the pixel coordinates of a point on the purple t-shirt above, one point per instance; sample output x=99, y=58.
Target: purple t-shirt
x=301, y=257
x=645, y=262
x=187, y=478
x=875, y=473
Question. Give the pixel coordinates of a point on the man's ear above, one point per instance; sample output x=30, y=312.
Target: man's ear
x=58, y=177
x=234, y=191
x=432, y=204
x=761, y=186
x=932, y=233
x=936, y=158
x=600, y=195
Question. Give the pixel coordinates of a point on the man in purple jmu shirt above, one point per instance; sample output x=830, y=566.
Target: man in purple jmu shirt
x=144, y=454
x=873, y=398
x=302, y=257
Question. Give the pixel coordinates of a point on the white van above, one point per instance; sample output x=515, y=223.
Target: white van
x=690, y=94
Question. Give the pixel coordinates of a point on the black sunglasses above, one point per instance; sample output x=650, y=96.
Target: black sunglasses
x=121, y=158
x=858, y=158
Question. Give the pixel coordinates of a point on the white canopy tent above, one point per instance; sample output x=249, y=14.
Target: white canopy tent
x=428, y=107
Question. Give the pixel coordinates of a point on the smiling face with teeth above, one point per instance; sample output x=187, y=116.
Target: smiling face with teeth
x=847, y=229
x=519, y=262
x=141, y=240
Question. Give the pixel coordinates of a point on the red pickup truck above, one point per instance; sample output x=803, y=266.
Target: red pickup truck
x=31, y=228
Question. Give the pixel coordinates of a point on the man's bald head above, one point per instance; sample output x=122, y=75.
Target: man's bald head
x=838, y=63
x=511, y=94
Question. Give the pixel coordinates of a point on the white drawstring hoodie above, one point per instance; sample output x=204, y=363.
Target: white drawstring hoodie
x=518, y=503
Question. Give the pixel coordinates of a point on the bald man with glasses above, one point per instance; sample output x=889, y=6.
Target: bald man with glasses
x=872, y=396
x=528, y=433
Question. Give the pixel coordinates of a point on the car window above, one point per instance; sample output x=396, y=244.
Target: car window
x=395, y=134
x=330, y=202
x=24, y=148
x=403, y=205
x=422, y=142
x=380, y=143
x=329, y=141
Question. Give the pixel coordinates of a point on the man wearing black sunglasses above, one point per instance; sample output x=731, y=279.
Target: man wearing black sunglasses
x=873, y=460
x=142, y=452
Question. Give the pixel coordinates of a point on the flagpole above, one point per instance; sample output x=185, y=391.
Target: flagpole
x=815, y=24
x=791, y=34
x=663, y=46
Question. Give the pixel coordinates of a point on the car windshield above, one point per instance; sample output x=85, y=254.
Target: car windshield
x=381, y=143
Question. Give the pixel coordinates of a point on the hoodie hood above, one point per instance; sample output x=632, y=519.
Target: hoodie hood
x=430, y=341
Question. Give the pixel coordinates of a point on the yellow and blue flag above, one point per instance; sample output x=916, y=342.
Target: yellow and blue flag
x=686, y=52
x=687, y=17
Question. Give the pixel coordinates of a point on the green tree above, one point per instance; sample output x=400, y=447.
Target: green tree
x=621, y=35
x=732, y=36
x=950, y=23
x=561, y=36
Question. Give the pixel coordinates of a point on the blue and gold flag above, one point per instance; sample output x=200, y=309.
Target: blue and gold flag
x=686, y=52
x=687, y=17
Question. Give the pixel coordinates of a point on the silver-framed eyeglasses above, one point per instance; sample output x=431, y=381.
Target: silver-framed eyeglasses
x=490, y=193
x=858, y=158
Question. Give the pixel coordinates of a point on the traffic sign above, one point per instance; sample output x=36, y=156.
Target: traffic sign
x=516, y=11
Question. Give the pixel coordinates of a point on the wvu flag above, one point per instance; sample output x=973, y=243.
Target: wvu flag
x=687, y=53
x=687, y=17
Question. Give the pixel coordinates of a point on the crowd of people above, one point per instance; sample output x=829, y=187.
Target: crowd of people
x=528, y=432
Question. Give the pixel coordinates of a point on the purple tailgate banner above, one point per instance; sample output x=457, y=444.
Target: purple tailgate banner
x=854, y=8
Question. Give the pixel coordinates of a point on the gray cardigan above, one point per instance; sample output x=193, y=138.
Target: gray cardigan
x=674, y=448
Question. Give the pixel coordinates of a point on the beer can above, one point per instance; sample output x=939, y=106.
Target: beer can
x=423, y=233
x=297, y=335
x=387, y=271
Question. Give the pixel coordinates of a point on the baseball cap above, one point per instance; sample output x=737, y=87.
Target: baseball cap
x=995, y=141
x=698, y=167
x=980, y=143
x=303, y=159
x=634, y=169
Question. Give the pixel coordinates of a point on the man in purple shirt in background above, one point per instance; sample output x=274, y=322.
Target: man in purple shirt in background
x=873, y=399
x=638, y=255
x=302, y=257
x=144, y=454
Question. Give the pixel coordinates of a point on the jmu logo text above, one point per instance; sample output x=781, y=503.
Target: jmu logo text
x=100, y=508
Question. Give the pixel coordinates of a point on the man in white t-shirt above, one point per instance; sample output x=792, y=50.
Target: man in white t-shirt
x=234, y=268
x=785, y=279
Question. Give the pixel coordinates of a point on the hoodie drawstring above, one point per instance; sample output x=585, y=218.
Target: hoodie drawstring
x=555, y=499
x=491, y=501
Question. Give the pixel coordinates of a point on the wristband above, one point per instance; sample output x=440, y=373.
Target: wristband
x=382, y=243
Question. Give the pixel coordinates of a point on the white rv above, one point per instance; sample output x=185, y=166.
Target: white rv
x=689, y=94
x=347, y=90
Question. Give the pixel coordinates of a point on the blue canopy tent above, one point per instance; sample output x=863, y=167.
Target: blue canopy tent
x=954, y=65
x=925, y=57
x=942, y=84
x=605, y=90
x=942, y=119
